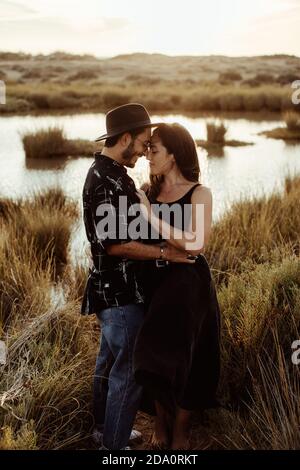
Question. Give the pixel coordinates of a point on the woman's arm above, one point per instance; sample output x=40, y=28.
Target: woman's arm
x=193, y=240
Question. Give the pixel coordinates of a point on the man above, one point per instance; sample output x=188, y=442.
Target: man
x=113, y=290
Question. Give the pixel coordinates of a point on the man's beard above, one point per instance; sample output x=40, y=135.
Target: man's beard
x=128, y=154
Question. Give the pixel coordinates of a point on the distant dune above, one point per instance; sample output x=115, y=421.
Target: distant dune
x=61, y=81
x=63, y=65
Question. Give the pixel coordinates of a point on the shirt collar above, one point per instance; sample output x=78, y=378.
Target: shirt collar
x=110, y=162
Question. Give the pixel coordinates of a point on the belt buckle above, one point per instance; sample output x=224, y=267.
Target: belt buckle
x=161, y=263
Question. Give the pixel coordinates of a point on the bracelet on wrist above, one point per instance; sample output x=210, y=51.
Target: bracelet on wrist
x=162, y=253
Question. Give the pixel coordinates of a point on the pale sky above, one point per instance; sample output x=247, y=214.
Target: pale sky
x=188, y=27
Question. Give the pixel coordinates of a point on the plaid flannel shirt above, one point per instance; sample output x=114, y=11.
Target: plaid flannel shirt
x=112, y=281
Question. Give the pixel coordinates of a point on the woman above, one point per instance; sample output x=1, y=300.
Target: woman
x=177, y=349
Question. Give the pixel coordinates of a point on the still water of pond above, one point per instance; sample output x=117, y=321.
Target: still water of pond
x=241, y=172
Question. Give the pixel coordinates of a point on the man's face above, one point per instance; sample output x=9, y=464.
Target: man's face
x=137, y=148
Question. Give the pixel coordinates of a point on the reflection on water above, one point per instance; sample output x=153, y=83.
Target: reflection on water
x=216, y=152
x=46, y=163
x=231, y=173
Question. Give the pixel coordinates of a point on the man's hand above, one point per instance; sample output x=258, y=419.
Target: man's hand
x=176, y=256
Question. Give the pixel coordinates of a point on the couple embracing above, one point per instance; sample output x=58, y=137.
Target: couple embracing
x=154, y=295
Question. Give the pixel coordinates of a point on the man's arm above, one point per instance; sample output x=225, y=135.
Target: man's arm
x=134, y=250
x=125, y=247
x=193, y=240
x=141, y=251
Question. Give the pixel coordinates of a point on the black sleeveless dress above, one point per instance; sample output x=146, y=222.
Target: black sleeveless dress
x=177, y=351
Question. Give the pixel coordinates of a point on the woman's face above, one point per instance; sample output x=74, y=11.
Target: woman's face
x=160, y=161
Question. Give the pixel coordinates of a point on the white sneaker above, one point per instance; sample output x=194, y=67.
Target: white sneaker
x=135, y=435
x=97, y=436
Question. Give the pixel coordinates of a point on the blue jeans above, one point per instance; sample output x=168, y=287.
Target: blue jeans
x=116, y=394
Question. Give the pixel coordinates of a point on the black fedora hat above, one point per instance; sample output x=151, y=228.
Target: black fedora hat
x=126, y=118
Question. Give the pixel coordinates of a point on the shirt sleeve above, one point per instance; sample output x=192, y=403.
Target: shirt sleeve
x=110, y=214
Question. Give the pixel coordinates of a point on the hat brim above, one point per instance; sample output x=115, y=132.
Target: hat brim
x=113, y=134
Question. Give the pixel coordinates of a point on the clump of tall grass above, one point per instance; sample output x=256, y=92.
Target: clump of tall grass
x=24, y=282
x=216, y=133
x=45, y=392
x=256, y=229
x=39, y=229
x=292, y=121
x=274, y=412
x=270, y=420
x=259, y=302
x=264, y=78
x=216, y=139
x=156, y=96
x=230, y=76
x=33, y=73
x=75, y=281
x=53, y=199
x=52, y=142
x=287, y=78
x=85, y=74
x=45, y=401
x=44, y=143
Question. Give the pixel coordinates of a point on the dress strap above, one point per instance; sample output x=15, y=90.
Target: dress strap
x=190, y=191
x=195, y=185
x=185, y=196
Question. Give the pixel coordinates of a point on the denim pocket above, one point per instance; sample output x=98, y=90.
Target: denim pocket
x=105, y=315
x=112, y=316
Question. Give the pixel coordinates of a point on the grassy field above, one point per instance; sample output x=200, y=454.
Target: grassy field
x=45, y=387
x=63, y=82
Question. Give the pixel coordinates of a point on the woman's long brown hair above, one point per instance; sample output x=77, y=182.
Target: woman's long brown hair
x=180, y=143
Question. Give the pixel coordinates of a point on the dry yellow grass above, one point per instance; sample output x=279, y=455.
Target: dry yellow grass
x=256, y=230
x=290, y=132
x=161, y=96
x=216, y=139
x=216, y=132
x=292, y=121
x=45, y=388
x=63, y=82
x=52, y=142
